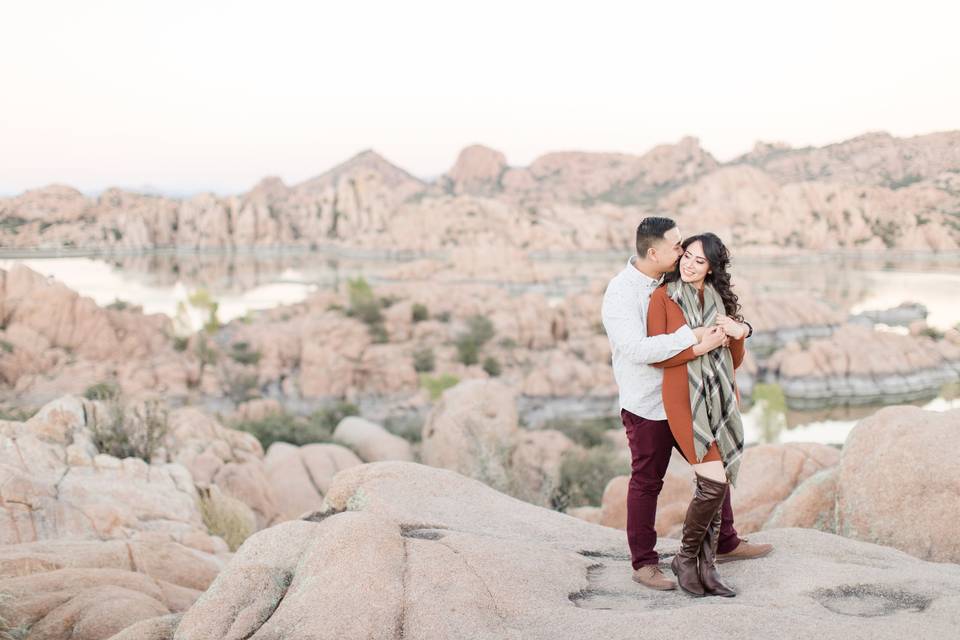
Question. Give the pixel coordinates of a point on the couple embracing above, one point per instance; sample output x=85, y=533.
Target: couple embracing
x=677, y=336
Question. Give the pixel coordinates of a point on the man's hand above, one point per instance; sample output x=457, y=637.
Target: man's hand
x=713, y=337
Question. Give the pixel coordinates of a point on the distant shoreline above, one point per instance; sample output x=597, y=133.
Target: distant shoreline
x=764, y=255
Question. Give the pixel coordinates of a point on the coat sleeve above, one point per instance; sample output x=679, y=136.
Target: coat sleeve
x=738, y=351
x=657, y=325
x=626, y=330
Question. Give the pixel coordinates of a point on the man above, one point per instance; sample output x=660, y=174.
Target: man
x=641, y=406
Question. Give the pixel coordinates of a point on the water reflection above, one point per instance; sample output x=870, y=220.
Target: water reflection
x=243, y=282
x=768, y=420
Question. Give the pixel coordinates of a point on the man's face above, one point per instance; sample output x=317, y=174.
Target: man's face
x=667, y=251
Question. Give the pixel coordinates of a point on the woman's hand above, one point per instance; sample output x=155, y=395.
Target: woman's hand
x=732, y=328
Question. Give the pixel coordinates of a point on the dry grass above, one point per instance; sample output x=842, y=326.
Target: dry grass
x=130, y=431
x=226, y=517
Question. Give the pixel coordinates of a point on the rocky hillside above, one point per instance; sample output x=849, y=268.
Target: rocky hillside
x=368, y=543
x=872, y=192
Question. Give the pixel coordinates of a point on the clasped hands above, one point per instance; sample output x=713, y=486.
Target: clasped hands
x=718, y=335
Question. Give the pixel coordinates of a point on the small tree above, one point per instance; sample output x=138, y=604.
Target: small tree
x=479, y=331
x=492, y=366
x=467, y=349
x=424, y=360
x=363, y=304
x=130, y=432
x=419, y=313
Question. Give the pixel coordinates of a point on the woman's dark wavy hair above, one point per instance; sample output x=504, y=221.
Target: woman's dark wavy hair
x=719, y=259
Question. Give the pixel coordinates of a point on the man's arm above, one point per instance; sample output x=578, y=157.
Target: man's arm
x=628, y=332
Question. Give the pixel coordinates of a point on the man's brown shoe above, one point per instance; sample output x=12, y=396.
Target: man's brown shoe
x=745, y=551
x=651, y=576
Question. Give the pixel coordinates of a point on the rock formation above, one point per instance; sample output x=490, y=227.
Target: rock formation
x=405, y=559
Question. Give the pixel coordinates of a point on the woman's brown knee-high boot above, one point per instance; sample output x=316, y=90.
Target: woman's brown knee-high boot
x=709, y=577
x=707, y=501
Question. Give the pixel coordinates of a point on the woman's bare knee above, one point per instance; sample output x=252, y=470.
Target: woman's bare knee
x=712, y=470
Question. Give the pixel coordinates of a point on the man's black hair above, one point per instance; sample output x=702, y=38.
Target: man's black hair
x=650, y=231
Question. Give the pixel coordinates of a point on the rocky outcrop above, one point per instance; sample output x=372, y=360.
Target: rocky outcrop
x=771, y=474
x=300, y=476
x=229, y=459
x=56, y=484
x=52, y=333
x=370, y=441
x=869, y=193
x=406, y=560
x=477, y=171
x=93, y=589
x=471, y=430
x=812, y=505
x=671, y=504
x=875, y=158
x=903, y=314
x=779, y=320
x=858, y=365
x=897, y=482
x=894, y=485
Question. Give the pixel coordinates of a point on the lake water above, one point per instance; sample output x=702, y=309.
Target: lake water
x=241, y=283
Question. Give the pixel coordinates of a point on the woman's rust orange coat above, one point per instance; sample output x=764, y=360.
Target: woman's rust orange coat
x=665, y=316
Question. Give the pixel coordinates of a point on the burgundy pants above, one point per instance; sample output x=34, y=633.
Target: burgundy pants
x=650, y=444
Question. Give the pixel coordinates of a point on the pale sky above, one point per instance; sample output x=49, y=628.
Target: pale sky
x=205, y=95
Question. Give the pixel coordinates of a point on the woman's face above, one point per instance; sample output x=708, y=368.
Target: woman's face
x=693, y=264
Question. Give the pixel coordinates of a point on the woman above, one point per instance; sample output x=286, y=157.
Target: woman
x=700, y=397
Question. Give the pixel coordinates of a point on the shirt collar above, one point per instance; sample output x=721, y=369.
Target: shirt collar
x=640, y=277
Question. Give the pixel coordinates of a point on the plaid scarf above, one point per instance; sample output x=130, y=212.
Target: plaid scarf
x=713, y=401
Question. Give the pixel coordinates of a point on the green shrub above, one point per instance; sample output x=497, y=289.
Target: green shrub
x=102, y=391
x=241, y=353
x=6, y=345
x=419, y=313
x=437, y=385
x=227, y=517
x=130, y=432
x=467, y=349
x=378, y=333
x=119, y=305
x=363, y=304
x=480, y=328
x=333, y=414
x=492, y=366
x=16, y=414
x=407, y=426
x=239, y=386
x=180, y=343
x=584, y=474
x=424, y=360
x=366, y=307
x=443, y=316
x=298, y=430
x=206, y=353
x=201, y=299
x=468, y=344
x=773, y=412
x=587, y=432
